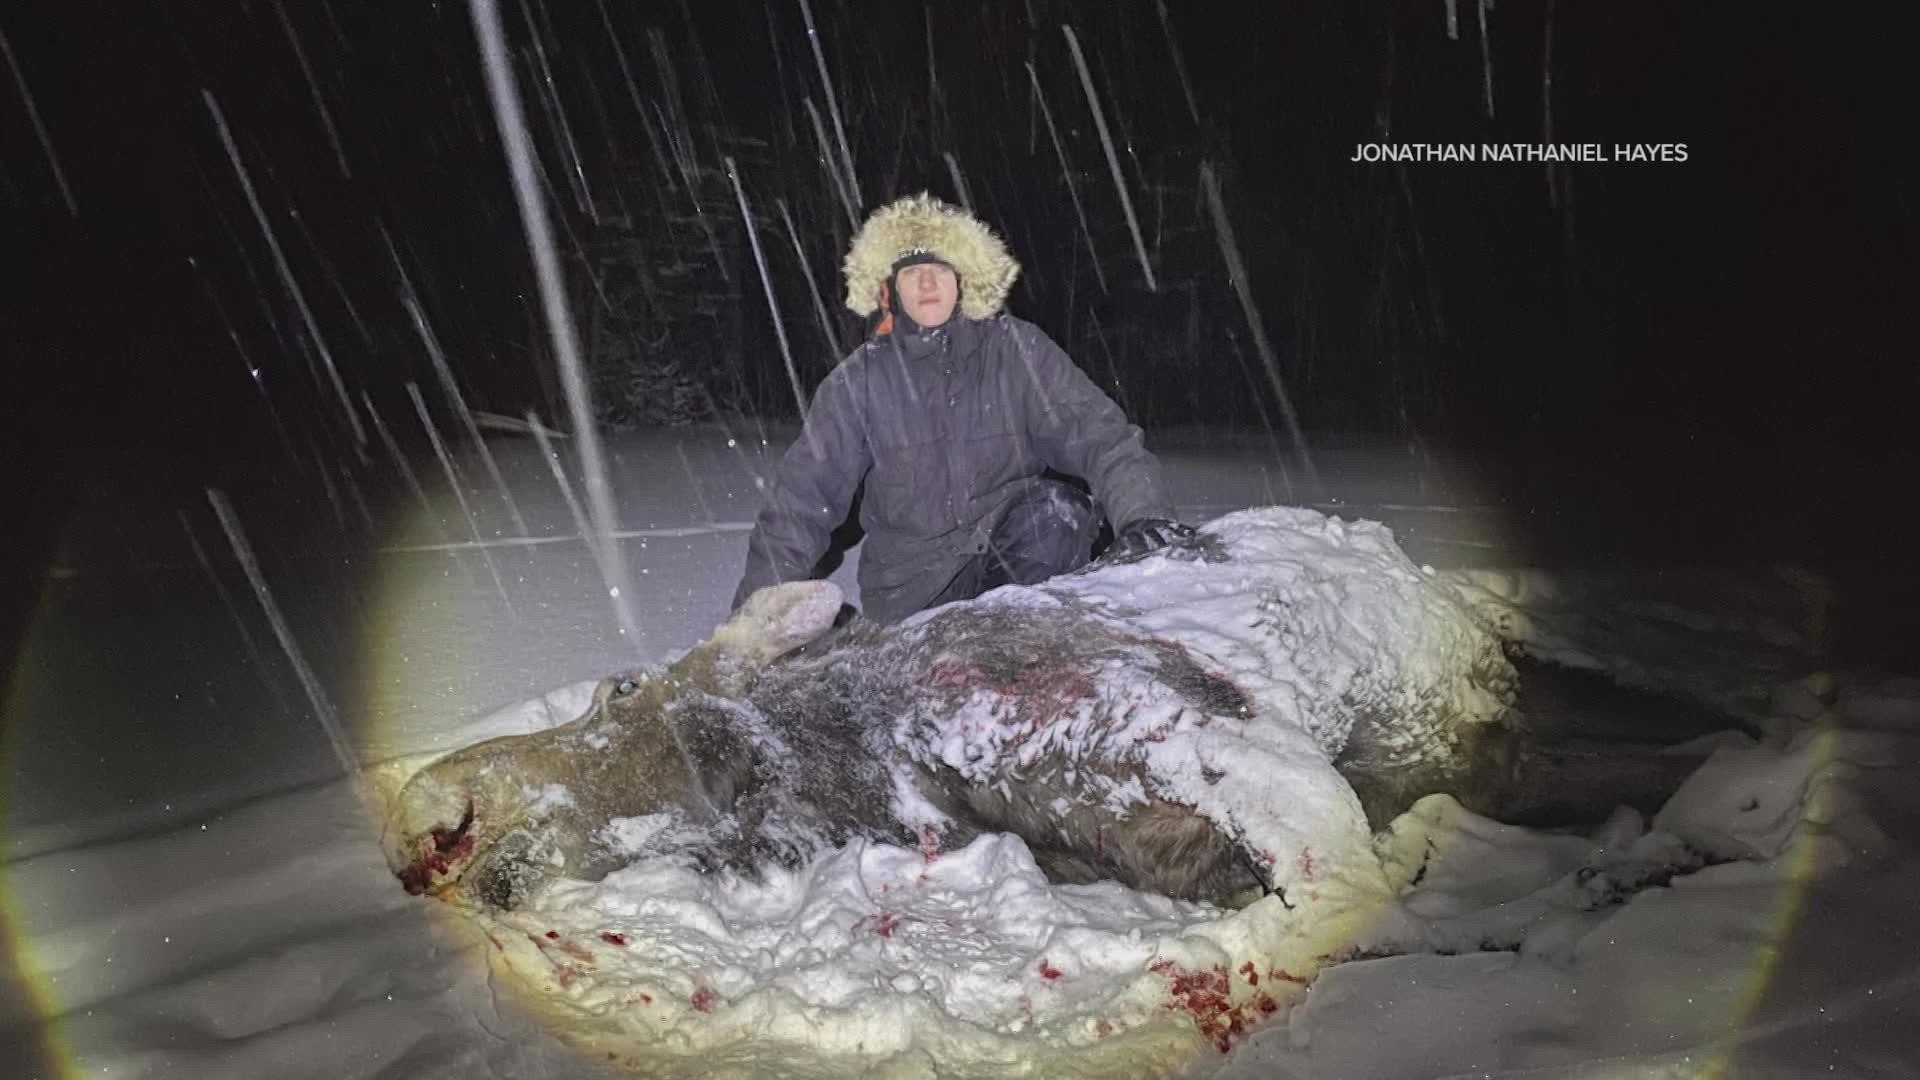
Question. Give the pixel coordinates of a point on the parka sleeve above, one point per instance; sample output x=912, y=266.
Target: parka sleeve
x=812, y=490
x=1077, y=429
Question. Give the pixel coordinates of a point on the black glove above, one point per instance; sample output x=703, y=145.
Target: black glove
x=1146, y=535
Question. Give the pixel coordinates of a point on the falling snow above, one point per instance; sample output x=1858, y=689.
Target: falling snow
x=1634, y=414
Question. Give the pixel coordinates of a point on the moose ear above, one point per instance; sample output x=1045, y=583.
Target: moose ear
x=774, y=621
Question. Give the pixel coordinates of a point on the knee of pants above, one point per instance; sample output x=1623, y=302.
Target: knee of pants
x=1077, y=512
x=1057, y=523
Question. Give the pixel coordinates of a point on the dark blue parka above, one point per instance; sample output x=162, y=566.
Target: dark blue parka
x=945, y=427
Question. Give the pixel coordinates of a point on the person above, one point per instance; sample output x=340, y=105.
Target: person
x=951, y=414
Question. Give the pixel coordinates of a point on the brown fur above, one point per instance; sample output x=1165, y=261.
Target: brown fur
x=481, y=821
x=779, y=735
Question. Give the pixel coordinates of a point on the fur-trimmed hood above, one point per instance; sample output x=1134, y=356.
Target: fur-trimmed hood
x=924, y=223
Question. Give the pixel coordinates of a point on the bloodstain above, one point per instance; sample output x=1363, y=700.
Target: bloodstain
x=1038, y=694
x=947, y=672
x=1103, y=1029
x=1286, y=976
x=450, y=846
x=1048, y=971
x=1253, y=977
x=612, y=938
x=1201, y=991
x=886, y=924
x=1304, y=863
x=703, y=1000
x=553, y=935
x=1267, y=858
x=929, y=851
x=646, y=998
x=1207, y=996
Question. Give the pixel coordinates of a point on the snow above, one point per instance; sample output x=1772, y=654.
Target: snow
x=1315, y=619
x=1745, y=967
x=1730, y=640
x=1745, y=927
x=986, y=950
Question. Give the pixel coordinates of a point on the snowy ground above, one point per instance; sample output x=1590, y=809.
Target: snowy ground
x=192, y=893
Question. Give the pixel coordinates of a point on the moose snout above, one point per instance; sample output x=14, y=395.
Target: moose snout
x=434, y=853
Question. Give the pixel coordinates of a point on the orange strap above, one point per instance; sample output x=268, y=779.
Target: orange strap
x=886, y=306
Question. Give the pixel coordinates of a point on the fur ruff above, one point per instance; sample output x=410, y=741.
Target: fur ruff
x=924, y=223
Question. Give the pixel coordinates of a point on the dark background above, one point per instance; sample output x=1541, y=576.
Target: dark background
x=1643, y=364
x=1695, y=362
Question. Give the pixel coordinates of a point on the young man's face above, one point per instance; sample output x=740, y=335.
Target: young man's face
x=928, y=293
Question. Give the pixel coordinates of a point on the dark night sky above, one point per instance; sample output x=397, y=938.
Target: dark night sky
x=1721, y=338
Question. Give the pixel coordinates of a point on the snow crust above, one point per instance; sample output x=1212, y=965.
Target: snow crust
x=959, y=963
x=1701, y=944
x=1728, y=640
x=874, y=952
x=1752, y=928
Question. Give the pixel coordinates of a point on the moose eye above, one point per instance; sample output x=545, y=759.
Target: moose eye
x=627, y=686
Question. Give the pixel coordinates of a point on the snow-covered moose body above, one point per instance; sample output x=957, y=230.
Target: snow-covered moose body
x=1222, y=715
